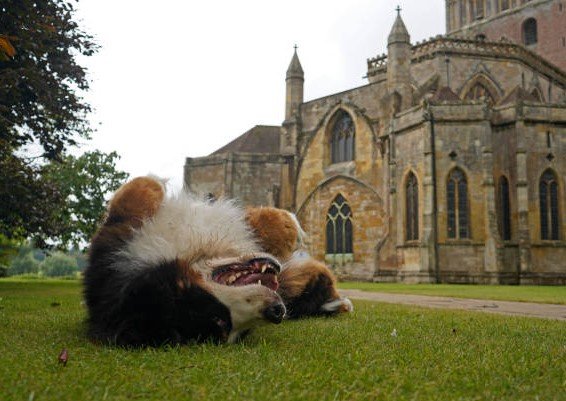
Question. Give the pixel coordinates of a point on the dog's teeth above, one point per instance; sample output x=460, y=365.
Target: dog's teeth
x=259, y=282
x=264, y=268
x=231, y=279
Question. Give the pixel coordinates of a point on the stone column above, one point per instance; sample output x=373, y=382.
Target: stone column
x=523, y=231
x=430, y=238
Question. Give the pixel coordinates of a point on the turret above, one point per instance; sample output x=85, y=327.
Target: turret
x=399, y=61
x=294, y=82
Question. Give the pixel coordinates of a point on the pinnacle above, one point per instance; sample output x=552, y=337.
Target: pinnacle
x=295, y=69
x=399, y=31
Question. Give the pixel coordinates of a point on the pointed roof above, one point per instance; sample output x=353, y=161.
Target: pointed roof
x=517, y=95
x=399, y=31
x=295, y=69
x=259, y=139
x=444, y=94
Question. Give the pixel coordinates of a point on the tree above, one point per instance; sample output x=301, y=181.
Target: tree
x=84, y=182
x=24, y=262
x=59, y=264
x=40, y=109
x=39, y=76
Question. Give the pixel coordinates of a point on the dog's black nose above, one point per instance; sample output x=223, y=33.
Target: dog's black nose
x=274, y=312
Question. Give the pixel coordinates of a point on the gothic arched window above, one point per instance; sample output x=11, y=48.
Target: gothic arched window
x=504, y=208
x=548, y=194
x=457, y=205
x=411, y=208
x=339, y=229
x=530, y=36
x=342, y=138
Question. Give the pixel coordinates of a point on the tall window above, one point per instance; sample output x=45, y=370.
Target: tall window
x=504, y=209
x=530, y=36
x=339, y=238
x=457, y=207
x=548, y=193
x=342, y=140
x=412, y=208
x=477, y=9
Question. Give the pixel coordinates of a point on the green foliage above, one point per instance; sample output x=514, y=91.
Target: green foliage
x=59, y=264
x=8, y=249
x=41, y=107
x=28, y=200
x=24, y=262
x=38, y=97
x=436, y=355
x=4, y=270
x=85, y=182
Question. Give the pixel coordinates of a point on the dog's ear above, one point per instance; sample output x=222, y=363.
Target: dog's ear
x=136, y=201
x=308, y=288
x=277, y=231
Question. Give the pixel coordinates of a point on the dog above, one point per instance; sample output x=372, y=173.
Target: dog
x=177, y=269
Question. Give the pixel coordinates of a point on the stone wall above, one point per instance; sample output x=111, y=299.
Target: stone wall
x=370, y=224
x=252, y=179
x=551, y=24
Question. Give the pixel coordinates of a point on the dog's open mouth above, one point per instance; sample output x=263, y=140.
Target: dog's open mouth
x=255, y=271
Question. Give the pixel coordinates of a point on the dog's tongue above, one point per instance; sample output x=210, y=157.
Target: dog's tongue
x=268, y=280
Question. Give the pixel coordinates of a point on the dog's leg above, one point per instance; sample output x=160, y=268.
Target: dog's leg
x=277, y=230
x=136, y=201
x=308, y=288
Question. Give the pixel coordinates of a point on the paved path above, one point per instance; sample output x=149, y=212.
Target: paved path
x=544, y=311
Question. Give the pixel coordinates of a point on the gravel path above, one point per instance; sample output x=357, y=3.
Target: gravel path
x=543, y=311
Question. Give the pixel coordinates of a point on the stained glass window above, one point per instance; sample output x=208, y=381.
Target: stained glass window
x=504, y=209
x=530, y=36
x=457, y=205
x=339, y=227
x=412, y=208
x=342, y=140
x=548, y=193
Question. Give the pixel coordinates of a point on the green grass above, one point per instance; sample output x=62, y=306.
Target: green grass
x=523, y=293
x=436, y=355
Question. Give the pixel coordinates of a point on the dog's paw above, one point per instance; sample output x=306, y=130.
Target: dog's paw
x=277, y=231
x=136, y=200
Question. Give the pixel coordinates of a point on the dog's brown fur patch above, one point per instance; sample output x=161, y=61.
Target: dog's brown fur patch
x=136, y=201
x=275, y=229
x=296, y=277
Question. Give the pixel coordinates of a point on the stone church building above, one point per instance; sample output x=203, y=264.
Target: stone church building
x=449, y=165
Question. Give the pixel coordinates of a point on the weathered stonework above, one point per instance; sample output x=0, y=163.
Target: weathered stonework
x=492, y=110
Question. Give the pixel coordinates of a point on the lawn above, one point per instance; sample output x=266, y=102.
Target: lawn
x=522, y=293
x=435, y=355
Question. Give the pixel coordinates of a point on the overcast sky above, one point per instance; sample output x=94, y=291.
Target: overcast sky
x=177, y=78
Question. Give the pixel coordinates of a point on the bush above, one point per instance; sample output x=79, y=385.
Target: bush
x=24, y=263
x=3, y=271
x=59, y=264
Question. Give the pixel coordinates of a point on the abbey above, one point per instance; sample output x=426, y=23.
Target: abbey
x=449, y=165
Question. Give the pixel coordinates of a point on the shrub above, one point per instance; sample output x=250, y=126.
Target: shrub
x=59, y=264
x=3, y=271
x=24, y=263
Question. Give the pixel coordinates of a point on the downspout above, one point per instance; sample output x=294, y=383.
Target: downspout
x=434, y=195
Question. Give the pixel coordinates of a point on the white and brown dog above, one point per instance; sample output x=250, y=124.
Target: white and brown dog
x=173, y=269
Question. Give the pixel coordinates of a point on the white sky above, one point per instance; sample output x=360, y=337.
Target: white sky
x=177, y=79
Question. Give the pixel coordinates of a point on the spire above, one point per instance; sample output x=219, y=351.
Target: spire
x=399, y=31
x=295, y=69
